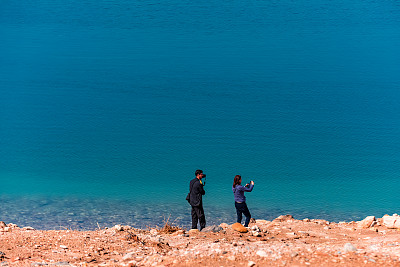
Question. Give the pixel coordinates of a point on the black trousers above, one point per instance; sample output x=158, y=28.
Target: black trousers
x=241, y=208
x=198, y=215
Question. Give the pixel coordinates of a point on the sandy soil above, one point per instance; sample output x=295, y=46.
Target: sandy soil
x=282, y=242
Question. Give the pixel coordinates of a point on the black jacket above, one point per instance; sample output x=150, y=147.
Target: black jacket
x=196, y=192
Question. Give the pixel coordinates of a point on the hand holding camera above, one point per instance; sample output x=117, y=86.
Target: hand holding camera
x=249, y=183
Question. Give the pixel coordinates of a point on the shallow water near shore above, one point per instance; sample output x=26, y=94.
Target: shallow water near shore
x=107, y=109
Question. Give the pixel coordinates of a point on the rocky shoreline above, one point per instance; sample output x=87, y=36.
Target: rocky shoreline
x=284, y=241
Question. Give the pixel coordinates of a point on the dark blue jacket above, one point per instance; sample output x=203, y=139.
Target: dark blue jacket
x=196, y=192
x=238, y=192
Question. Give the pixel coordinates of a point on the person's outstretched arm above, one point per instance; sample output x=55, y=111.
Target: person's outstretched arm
x=250, y=188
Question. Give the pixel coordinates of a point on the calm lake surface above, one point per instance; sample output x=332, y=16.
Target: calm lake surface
x=108, y=107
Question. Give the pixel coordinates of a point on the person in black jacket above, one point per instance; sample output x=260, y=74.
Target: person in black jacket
x=196, y=201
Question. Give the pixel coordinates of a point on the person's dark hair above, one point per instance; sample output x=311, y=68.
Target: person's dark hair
x=197, y=172
x=236, y=181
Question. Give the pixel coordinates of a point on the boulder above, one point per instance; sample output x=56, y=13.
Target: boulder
x=239, y=227
x=366, y=223
x=2, y=224
x=392, y=222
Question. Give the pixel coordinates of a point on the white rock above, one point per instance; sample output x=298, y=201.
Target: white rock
x=255, y=233
x=129, y=256
x=366, y=223
x=251, y=263
x=224, y=225
x=232, y=258
x=193, y=231
x=391, y=221
x=153, y=232
x=64, y=247
x=349, y=247
x=291, y=234
x=262, y=253
x=118, y=227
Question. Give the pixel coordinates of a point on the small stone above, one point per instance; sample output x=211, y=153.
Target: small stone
x=251, y=263
x=128, y=256
x=2, y=224
x=28, y=228
x=118, y=227
x=63, y=247
x=256, y=234
x=153, y=232
x=349, y=247
x=193, y=231
x=262, y=253
x=62, y=263
x=180, y=232
x=224, y=225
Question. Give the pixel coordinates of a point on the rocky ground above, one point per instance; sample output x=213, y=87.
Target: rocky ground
x=281, y=242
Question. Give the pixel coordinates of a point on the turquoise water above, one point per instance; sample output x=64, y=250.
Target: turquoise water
x=108, y=107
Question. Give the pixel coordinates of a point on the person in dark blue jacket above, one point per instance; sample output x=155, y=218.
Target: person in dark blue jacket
x=240, y=199
x=196, y=200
